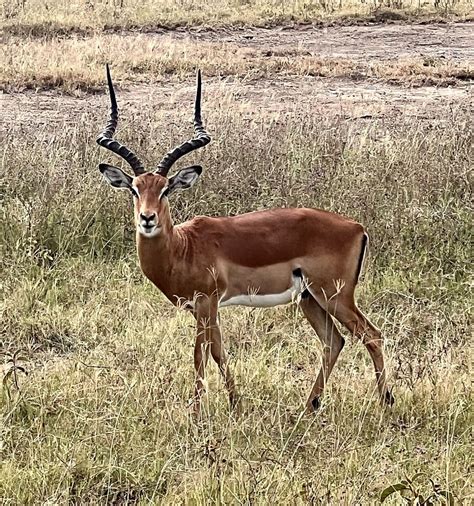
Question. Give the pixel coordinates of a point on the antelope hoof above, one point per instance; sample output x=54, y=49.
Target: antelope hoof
x=313, y=406
x=388, y=398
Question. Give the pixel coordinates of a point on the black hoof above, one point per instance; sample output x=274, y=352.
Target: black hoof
x=389, y=399
x=316, y=403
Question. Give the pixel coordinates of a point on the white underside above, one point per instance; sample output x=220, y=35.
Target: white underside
x=254, y=299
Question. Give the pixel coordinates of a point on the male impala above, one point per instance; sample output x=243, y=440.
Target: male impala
x=258, y=259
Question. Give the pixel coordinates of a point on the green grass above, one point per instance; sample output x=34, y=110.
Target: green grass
x=103, y=413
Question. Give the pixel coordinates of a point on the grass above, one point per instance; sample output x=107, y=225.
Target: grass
x=47, y=45
x=96, y=366
x=39, y=17
x=102, y=414
x=77, y=64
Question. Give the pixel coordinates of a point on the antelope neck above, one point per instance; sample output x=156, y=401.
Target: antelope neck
x=160, y=255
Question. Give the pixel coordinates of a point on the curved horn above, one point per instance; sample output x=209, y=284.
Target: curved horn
x=106, y=140
x=200, y=139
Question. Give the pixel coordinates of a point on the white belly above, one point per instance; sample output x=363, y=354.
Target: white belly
x=254, y=299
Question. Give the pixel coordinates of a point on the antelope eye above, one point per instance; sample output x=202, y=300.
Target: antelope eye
x=134, y=192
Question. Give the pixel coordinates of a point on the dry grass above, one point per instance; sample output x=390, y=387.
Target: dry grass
x=47, y=45
x=43, y=17
x=73, y=64
x=102, y=415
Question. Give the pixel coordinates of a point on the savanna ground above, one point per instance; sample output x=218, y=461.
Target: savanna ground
x=359, y=108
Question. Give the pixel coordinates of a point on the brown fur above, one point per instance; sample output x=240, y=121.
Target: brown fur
x=206, y=260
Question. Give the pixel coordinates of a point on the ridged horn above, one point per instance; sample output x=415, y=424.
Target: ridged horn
x=200, y=139
x=106, y=140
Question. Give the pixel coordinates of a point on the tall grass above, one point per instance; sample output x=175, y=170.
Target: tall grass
x=102, y=414
x=62, y=16
x=405, y=183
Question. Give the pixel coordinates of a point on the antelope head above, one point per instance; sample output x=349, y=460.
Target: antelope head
x=151, y=189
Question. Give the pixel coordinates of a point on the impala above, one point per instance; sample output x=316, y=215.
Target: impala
x=258, y=259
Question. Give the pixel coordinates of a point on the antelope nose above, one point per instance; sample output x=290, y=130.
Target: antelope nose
x=147, y=217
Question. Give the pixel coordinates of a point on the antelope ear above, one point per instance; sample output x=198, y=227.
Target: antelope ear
x=115, y=176
x=183, y=180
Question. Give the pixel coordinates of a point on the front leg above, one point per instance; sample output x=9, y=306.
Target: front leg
x=201, y=355
x=209, y=337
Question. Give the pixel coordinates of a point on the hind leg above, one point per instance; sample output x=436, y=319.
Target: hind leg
x=344, y=309
x=220, y=358
x=372, y=339
x=332, y=342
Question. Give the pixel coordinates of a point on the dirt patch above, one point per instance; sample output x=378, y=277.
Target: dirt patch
x=359, y=100
x=380, y=42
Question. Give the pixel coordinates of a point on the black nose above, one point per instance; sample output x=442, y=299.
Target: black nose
x=147, y=218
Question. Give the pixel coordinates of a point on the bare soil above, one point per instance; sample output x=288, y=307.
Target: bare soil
x=380, y=42
x=359, y=100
